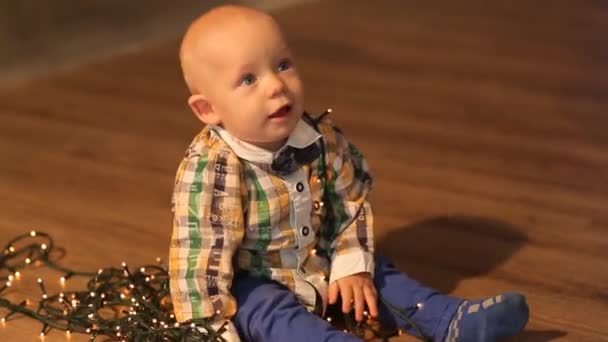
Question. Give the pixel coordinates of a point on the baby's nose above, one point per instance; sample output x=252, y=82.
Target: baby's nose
x=276, y=86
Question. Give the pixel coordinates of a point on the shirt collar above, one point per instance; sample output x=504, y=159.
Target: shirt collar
x=302, y=136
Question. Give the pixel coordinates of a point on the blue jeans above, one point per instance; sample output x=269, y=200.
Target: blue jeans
x=268, y=311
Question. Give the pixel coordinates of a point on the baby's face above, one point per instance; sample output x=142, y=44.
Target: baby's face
x=254, y=86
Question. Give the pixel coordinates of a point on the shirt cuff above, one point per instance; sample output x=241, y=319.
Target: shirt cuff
x=351, y=263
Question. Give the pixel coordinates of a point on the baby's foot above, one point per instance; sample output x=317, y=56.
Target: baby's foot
x=489, y=319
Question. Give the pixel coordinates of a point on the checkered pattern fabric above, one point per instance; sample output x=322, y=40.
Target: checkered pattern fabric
x=232, y=215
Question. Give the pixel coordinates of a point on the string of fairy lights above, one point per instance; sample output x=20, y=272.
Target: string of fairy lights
x=119, y=304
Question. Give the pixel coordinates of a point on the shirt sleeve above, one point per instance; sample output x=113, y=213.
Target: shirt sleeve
x=349, y=183
x=207, y=228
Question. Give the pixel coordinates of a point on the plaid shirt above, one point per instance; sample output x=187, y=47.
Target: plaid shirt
x=296, y=216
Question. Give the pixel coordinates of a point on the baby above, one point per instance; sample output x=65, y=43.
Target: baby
x=271, y=215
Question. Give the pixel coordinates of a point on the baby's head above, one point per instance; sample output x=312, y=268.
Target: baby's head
x=242, y=76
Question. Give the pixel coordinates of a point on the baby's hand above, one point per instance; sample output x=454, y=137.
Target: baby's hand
x=358, y=288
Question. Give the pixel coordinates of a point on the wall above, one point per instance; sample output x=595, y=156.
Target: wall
x=38, y=36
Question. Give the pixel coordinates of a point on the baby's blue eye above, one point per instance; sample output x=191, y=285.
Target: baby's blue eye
x=284, y=65
x=248, y=79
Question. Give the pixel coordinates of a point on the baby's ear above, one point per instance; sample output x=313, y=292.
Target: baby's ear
x=204, y=111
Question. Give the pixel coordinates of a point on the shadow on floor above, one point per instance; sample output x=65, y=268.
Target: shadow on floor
x=441, y=251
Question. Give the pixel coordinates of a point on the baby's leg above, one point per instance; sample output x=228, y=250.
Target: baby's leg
x=432, y=317
x=268, y=311
x=487, y=319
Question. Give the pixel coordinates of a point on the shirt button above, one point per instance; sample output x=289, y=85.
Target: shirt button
x=300, y=187
x=305, y=231
x=316, y=205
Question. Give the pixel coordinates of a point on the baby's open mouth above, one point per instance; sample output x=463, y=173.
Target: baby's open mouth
x=281, y=112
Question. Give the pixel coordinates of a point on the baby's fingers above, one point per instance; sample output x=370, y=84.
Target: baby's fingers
x=371, y=298
x=347, y=298
x=359, y=303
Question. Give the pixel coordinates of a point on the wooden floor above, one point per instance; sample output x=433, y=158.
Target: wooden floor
x=486, y=124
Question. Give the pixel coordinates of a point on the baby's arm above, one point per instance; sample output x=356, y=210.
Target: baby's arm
x=207, y=228
x=351, y=237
